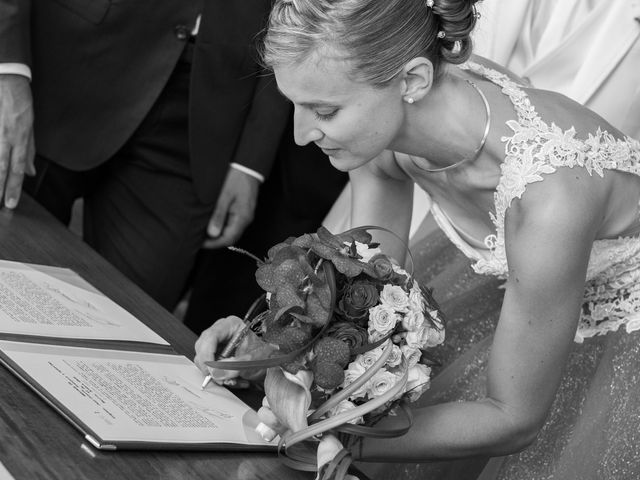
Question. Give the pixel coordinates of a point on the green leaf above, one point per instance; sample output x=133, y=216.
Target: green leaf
x=325, y=236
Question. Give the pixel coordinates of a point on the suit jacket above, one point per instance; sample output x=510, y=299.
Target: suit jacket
x=98, y=66
x=596, y=64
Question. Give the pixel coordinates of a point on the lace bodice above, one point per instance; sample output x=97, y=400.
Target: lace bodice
x=536, y=149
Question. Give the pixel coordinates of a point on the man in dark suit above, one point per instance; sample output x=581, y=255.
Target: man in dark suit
x=165, y=134
x=294, y=200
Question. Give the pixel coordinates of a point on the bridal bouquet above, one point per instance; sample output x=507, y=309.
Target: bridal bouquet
x=348, y=329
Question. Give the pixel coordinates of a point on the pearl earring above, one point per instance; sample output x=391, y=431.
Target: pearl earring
x=410, y=100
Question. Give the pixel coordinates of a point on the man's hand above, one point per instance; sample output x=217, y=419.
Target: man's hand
x=17, y=148
x=234, y=209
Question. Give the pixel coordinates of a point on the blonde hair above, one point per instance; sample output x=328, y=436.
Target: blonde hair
x=378, y=36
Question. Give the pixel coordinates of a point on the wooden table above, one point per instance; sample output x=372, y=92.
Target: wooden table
x=36, y=442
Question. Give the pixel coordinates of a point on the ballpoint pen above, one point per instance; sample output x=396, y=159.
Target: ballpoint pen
x=229, y=349
x=237, y=337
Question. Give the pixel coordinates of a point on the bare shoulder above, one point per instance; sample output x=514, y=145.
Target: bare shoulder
x=556, y=108
x=565, y=203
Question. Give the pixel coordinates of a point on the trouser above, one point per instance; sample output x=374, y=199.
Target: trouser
x=140, y=210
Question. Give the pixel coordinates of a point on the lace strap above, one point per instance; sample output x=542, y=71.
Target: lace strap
x=526, y=112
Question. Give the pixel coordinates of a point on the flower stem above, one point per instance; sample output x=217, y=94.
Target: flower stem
x=245, y=252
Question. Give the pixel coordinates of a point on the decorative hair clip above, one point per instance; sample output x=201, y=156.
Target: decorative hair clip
x=441, y=34
x=430, y=3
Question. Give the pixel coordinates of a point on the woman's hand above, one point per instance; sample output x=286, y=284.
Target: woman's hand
x=212, y=342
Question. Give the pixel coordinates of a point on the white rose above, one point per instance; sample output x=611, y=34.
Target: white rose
x=368, y=358
x=395, y=357
x=412, y=320
x=412, y=355
x=416, y=299
x=382, y=320
x=346, y=406
x=418, y=381
x=353, y=372
x=435, y=336
x=425, y=337
x=416, y=338
x=381, y=382
x=395, y=297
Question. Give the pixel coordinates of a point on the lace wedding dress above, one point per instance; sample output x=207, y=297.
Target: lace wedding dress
x=593, y=429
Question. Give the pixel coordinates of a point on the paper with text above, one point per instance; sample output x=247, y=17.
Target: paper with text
x=137, y=397
x=33, y=302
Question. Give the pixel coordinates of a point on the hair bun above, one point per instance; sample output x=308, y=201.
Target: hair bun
x=457, y=21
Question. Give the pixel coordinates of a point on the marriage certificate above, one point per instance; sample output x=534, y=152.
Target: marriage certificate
x=111, y=376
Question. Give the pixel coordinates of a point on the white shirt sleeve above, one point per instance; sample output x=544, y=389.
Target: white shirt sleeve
x=16, y=69
x=247, y=171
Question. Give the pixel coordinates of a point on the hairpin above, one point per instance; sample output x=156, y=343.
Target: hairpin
x=441, y=34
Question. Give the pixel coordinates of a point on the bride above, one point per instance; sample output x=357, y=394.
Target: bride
x=532, y=187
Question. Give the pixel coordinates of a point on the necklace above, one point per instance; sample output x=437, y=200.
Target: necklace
x=482, y=142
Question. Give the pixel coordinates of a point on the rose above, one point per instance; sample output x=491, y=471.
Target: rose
x=368, y=358
x=416, y=299
x=425, y=337
x=346, y=406
x=412, y=320
x=382, y=265
x=351, y=334
x=417, y=381
x=382, y=320
x=412, y=355
x=435, y=337
x=417, y=338
x=354, y=371
x=395, y=297
x=381, y=383
x=357, y=299
x=395, y=357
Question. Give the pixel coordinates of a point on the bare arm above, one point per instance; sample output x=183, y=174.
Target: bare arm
x=549, y=234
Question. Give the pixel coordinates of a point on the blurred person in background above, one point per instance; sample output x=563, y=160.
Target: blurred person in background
x=157, y=114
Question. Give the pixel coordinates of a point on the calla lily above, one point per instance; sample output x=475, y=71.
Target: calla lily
x=289, y=396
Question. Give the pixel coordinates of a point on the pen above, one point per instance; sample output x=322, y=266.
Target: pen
x=207, y=379
x=230, y=348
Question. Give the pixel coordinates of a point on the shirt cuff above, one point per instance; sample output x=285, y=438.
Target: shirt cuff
x=248, y=171
x=15, y=69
